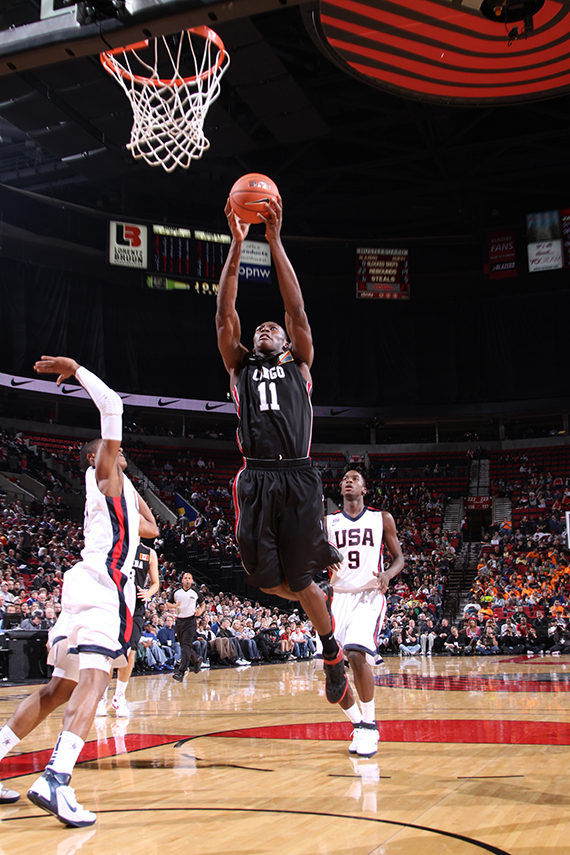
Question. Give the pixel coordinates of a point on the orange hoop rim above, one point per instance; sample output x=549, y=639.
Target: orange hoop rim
x=205, y=32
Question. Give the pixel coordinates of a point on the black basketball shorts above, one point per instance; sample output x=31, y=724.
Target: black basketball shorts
x=279, y=523
x=138, y=624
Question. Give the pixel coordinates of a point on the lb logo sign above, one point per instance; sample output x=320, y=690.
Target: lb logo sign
x=128, y=245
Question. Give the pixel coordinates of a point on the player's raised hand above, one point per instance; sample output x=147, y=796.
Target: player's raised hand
x=238, y=228
x=273, y=219
x=62, y=365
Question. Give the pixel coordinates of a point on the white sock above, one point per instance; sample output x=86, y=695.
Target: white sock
x=120, y=688
x=8, y=740
x=67, y=750
x=354, y=713
x=368, y=713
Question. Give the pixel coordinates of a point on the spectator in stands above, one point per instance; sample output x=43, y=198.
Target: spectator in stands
x=410, y=644
x=33, y=622
x=454, y=643
x=487, y=643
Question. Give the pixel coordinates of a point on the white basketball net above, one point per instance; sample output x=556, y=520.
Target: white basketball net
x=169, y=110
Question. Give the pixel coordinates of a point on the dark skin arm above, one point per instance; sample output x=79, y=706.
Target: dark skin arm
x=147, y=524
x=390, y=538
x=296, y=321
x=106, y=460
x=228, y=325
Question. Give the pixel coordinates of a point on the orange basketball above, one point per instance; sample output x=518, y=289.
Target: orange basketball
x=250, y=195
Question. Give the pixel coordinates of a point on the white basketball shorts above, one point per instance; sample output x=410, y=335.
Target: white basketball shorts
x=358, y=620
x=95, y=619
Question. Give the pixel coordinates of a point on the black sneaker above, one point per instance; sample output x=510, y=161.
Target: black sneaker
x=327, y=590
x=336, y=681
x=197, y=666
x=178, y=676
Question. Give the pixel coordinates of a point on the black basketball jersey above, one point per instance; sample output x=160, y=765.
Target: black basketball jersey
x=141, y=564
x=273, y=402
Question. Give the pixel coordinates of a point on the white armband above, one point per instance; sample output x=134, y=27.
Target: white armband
x=107, y=402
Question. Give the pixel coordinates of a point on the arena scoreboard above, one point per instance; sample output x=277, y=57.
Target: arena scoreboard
x=189, y=254
x=382, y=274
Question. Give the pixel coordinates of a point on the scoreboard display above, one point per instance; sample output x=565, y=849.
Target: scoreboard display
x=177, y=252
x=382, y=274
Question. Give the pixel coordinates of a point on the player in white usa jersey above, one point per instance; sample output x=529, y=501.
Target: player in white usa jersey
x=95, y=624
x=359, y=603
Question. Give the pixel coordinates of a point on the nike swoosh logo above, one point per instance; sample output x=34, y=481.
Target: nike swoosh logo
x=162, y=403
x=213, y=406
x=70, y=391
x=122, y=397
x=338, y=412
x=19, y=382
x=71, y=807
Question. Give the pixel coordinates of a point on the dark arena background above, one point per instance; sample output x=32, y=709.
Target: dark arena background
x=421, y=153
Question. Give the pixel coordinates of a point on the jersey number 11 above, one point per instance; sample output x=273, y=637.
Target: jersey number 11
x=264, y=404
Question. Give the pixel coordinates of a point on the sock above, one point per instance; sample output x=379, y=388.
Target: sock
x=354, y=713
x=368, y=712
x=330, y=645
x=8, y=740
x=120, y=688
x=66, y=751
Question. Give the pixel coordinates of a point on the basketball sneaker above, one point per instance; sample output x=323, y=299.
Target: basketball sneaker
x=101, y=707
x=178, y=676
x=197, y=666
x=353, y=747
x=8, y=797
x=119, y=704
x=52, y=793
x=336, y=680
x=327, y=590
x=367, y=739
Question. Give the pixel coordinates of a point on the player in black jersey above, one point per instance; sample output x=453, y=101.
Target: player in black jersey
x=145, y=565
x=278, y=493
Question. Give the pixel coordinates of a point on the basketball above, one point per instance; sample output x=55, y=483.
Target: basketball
x=250, y=195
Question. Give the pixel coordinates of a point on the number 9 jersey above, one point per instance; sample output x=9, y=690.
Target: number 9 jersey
x=359, y=540
x=273, y=402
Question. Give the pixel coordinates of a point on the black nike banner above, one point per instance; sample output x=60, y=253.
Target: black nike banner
x=161, y=402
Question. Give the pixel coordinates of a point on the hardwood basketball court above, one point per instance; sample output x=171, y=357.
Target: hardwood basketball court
x=474, y=757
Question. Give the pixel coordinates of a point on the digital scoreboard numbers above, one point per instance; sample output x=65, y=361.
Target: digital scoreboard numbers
x=211, y=253
x=382, y=274
x=171, y=251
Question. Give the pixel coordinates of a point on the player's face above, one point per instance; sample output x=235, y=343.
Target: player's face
x=352, y=485
x=269, y=338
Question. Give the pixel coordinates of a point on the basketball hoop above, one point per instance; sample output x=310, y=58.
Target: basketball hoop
x=168, y=109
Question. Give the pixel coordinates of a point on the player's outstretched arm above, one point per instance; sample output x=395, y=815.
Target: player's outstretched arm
x=109, y=404
x=228, y=325
x=296, y=321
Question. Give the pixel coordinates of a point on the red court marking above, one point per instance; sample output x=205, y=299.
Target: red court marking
x=36, y=761
x=479, y=683
x=450, y=731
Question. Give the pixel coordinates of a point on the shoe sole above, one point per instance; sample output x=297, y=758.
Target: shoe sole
x=9, y=801
x=45, y=805
x=370, y=754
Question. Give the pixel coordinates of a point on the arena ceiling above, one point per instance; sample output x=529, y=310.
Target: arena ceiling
x=352, y=159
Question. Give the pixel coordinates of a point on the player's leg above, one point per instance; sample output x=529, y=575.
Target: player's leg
x=51, y=791
x=31, y=712
x=119, y=702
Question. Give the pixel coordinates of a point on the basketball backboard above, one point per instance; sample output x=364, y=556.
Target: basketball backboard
x=49, y=31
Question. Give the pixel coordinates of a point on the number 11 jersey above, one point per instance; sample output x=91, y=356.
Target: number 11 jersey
x=273, y=402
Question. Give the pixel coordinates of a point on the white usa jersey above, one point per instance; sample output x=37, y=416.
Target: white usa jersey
x=359, y=540
x=111, y=530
